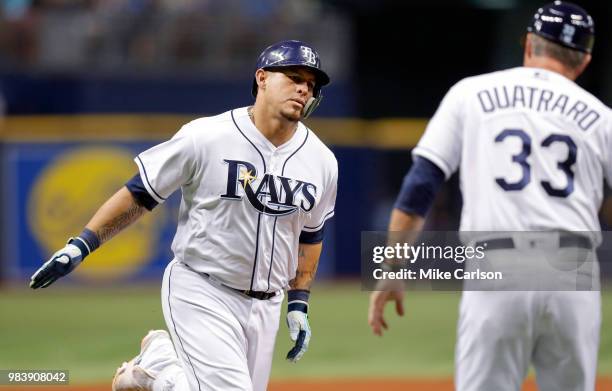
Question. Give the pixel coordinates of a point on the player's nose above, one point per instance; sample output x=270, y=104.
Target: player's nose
x=302, y=88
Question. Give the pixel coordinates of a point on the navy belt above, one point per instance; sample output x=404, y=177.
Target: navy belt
x=565, y=241
x=259, y=295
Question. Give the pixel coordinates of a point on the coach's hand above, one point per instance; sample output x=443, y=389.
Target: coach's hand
x=388, y=291
x=60, y=264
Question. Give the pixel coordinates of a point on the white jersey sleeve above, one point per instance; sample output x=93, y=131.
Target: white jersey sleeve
x=169, y=165
x=608, y=150
x=442, y=141
x=324, y=209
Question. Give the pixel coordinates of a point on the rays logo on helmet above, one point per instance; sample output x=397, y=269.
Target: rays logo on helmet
x=567, y=35
x=275, y=195
x=309, y=55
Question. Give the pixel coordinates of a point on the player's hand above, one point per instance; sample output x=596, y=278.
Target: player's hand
x=299, y=332
x=60, y=264
x=378, y=299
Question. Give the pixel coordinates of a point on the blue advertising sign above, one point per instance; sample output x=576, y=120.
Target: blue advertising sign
x=56, y=187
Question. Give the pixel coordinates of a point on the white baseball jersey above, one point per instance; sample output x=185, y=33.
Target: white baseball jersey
x=532, y=146
x=245, y=202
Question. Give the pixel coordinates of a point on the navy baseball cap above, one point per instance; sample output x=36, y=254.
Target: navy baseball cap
x=564, y=23
x=292, y=53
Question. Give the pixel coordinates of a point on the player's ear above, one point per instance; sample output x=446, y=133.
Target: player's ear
x=528, y=47
x=260, y=78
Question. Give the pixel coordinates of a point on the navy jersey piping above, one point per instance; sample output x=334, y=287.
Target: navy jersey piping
x=276, y=218
x=140, y=193
x=144, y=170
x=176, y=331
x=249, y=140
x=272, y=252
x=294, y=152
x=256, y=250
x=324, y=219
x=259, y=214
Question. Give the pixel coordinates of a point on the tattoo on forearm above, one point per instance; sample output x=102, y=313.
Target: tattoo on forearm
x=305, y=273
x=302, y=280
x=109, y=230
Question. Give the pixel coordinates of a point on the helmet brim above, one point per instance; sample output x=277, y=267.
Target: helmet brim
x=322, y=79
x=585, y=46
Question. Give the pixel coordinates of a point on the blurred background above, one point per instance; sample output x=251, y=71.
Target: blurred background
x=87, y=84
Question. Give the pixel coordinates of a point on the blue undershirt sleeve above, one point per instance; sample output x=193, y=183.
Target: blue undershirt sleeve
x=140, y=193
x=312, y=237
x=420, y=186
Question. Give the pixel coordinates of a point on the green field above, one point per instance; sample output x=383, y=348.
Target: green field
x=90, y=332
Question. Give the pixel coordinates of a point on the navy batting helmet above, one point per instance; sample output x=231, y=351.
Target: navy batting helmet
x=564, y=23
x=294, y=53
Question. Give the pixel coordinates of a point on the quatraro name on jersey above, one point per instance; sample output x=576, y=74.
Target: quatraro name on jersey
x=275, y=195
x=505, y=97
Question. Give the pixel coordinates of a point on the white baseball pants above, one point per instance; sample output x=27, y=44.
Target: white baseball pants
x=500, y=333
x=224, y=340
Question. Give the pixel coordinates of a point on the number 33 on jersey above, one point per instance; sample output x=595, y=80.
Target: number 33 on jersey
x=535, y=144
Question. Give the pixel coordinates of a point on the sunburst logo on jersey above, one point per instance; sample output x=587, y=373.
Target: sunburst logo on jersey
x=246, y=177
x=67, y=194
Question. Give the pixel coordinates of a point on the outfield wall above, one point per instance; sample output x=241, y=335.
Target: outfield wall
x=57, y=170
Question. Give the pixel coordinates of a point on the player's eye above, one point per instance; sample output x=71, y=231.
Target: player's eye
x=296, y=78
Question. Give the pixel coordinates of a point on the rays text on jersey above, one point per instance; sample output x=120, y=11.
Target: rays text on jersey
x=275, y=195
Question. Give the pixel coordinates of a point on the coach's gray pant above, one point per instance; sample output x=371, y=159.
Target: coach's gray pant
x=501, y=331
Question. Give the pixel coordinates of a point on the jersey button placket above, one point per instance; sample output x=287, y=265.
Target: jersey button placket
x=273, y=162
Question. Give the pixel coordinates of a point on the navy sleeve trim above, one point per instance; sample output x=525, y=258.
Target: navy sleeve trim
x=312, y=237
x=435, y=155
x=420, y=186
x=140, y=193
x=325, y=218
x=144, y=170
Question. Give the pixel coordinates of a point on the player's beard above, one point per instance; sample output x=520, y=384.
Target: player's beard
x=291, y=114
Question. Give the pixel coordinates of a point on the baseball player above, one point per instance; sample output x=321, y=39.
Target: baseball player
x=533, y=149
x=257, y=188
